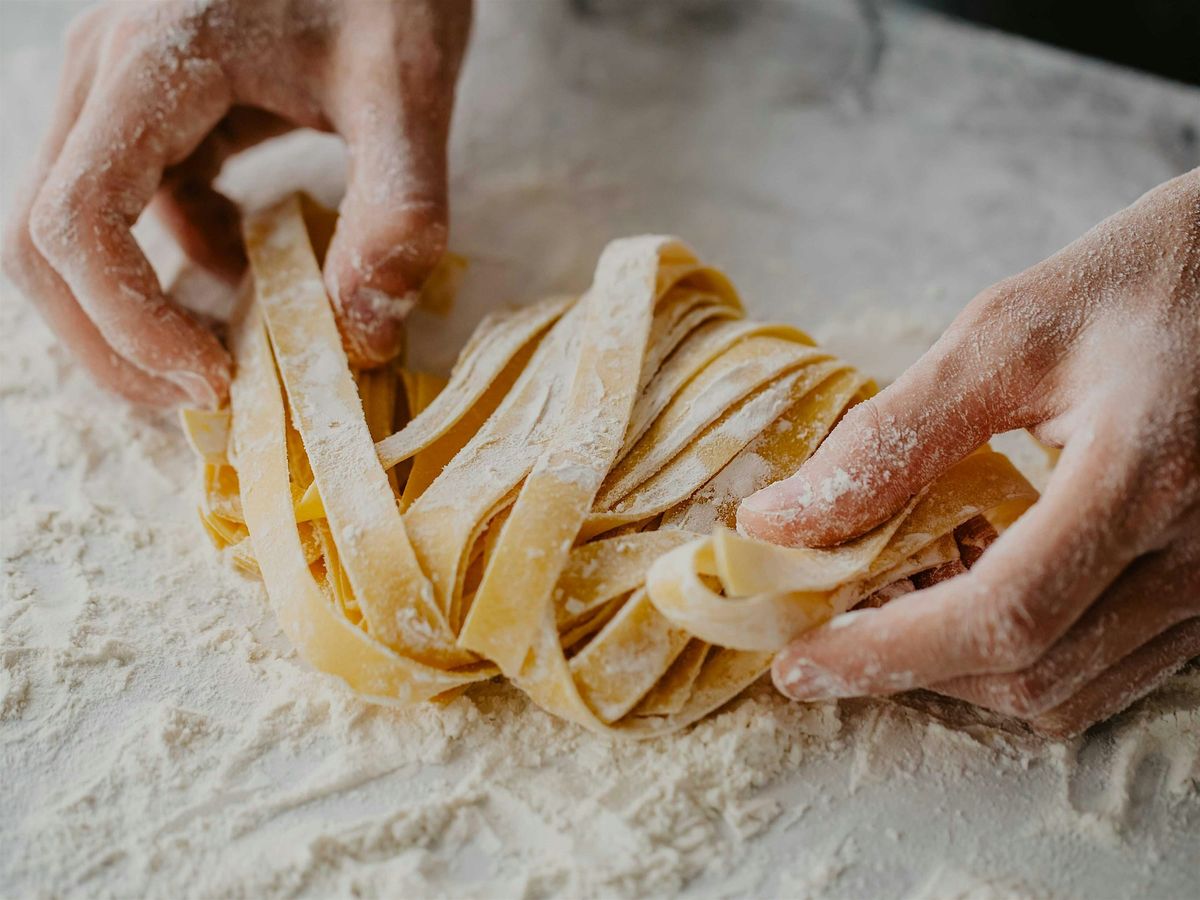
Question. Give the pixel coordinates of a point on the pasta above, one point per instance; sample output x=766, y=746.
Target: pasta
x=558, y=512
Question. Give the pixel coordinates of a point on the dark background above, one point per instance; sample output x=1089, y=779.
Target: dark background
x=1159, y=36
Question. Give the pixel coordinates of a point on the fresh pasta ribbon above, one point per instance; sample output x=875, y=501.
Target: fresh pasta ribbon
x=768, y=595
x=558, y=510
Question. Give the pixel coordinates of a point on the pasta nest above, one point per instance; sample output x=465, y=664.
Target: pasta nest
x=559, y=511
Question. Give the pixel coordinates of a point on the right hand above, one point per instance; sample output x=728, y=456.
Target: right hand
x=156, y=96
x=1093, y=597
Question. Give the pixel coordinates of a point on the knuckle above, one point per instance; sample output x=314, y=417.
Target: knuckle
x=866, y=421
x=407, y=254
x=1008, y=638
x=52, y=216
x=989, y=307
x=425, y=236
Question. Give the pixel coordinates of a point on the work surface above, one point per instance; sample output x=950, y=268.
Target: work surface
x=860, y=171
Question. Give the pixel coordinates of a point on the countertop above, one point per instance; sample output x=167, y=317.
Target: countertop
x=861, y=169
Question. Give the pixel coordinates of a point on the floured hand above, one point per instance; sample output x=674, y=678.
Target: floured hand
x=1093, y=597
x=155, y=97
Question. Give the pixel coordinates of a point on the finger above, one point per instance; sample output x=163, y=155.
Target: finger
x=392, y=103
x=205, y=222
x=1157, y=592
x=129, y=130
x=1021, y=596
x=1124, y=683
x=29, y=270
x=967, y=387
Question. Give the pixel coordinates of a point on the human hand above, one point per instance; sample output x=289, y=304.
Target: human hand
x=1093, y=596
x=156, y=96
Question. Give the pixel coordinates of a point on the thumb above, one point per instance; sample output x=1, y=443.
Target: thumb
x=882, y=452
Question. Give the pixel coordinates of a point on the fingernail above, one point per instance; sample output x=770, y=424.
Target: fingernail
x=197, y=388
x=382, y=306
x=769, y=514
x=790, y=495
x=372, y=324
x=801, y=679
x=761, y=501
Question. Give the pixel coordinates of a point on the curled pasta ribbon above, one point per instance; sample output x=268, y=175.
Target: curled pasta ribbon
x=557, y=511
x=768, y=595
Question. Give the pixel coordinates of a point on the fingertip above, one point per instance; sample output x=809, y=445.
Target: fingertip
x=199, y=366
x=777, y=513
x=790, y=494
x=206, y=392
x=371, y=320
x=801, y=511
x=797, y=676
x=807, y=670
x=374, y=271
x=781, y=676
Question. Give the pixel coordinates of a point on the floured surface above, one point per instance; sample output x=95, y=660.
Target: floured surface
x=156, y=737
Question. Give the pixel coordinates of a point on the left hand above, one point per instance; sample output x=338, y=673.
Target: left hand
x=155, y=97
x=1092, y=598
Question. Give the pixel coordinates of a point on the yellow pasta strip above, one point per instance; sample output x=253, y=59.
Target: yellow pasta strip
x=441, y=287
x=394, y=594
x=208, y=432
x=221, y=492
x=627, y=658
x=671, y=691
x=777, y=452
x=513, y=602
x=445, y=520
x=724, y=675
x=746, y=366
x=310, y=506
x=432, y=459
x=707, y=341
x=320, y=634
x=709, y=451
x=598, y=571
x=499, y=339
